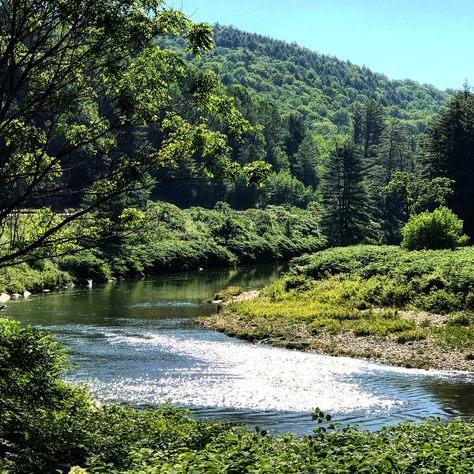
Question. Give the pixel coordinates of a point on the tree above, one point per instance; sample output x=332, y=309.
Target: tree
x=440, y=229
x=347, y=210
x=394, y=151
x=393, y=155
x=368, y=124
x=78, y=78
x=306, y=162
x=450, y=153
x=296, y=133
x=417, y=194
x=283, y=188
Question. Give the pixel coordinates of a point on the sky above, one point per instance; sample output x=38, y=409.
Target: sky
x=430, y=41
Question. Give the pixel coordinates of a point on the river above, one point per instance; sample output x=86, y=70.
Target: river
x=137, y=342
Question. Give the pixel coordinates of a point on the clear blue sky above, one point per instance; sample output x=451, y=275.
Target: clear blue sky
x=426, y=40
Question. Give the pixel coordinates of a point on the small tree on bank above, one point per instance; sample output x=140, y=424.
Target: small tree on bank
x=440, y=229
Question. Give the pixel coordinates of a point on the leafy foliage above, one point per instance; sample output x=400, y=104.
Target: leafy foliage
x=91, y=105
x=58, y=427
x=167, y=238
x=450, y=141
x=321, y=88
x=440, y=229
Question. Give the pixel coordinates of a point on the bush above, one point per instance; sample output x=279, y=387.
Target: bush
x=440, y=229
x=431, y=280
x=44, y=274
x=86, y=265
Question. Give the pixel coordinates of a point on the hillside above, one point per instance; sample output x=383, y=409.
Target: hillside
x=323, y=88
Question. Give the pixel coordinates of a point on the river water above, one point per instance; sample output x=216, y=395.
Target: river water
x=137, y=342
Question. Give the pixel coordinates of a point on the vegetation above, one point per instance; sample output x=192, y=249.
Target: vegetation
x=449, y=153
x=170, y=239
x=440, y=229
x=34, y=277
x=321, y=88
x=111, y=110
x=387, y=294
x=82, y=84
x=49, y=425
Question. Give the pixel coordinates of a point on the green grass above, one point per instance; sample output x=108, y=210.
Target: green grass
x=365, y=291
x=332, y=306
x=228, y=293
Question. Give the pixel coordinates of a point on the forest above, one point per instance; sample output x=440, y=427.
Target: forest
x=136, y=142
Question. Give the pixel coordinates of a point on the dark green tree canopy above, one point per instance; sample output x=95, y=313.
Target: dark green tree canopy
x=78, y=81
x=450, y=154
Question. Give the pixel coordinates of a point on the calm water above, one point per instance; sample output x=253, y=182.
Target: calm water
x=137, y=342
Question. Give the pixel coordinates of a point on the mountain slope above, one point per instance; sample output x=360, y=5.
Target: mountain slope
x=323, y=88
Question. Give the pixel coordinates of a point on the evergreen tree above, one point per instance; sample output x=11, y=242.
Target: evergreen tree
x=296, y=133
x=347, y=209
x=394, y=152
x=394, y=155
x=372, y=128
x=450, y=153
x=306, y=162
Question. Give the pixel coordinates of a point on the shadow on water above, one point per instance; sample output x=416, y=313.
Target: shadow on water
x=137, y=341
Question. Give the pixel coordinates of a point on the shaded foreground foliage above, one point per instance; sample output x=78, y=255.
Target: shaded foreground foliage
x=47, y=425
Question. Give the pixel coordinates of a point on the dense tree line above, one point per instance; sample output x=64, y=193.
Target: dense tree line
x=361, y=151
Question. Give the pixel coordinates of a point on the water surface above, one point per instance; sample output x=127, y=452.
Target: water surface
x=138, y=342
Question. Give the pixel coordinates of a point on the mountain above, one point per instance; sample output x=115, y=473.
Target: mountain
x=322, y=88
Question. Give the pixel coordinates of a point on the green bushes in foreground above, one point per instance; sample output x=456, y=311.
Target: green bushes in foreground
x=50, y=426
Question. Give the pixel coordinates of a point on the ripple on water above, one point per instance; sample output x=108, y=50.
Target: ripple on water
x=242, y=376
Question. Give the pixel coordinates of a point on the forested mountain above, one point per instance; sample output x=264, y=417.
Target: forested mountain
x=302, y=105
x=322, y=88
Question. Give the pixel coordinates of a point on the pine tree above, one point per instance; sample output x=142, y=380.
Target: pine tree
x=373, y=127
x=306, y=162
x=450, y=154
x=394, y=154
x=347, y=209
x=296, y=133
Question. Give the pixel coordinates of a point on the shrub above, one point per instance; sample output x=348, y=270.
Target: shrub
x=86, y=265
x=47, y=425
x=410, y=335
x=462, y=318
x=440, y=229
x=228, y=293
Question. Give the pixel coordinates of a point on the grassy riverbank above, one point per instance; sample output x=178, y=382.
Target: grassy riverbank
x=48, y=425
x=173, y=239
x=406, y=308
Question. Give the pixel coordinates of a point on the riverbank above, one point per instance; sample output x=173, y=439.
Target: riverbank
x=411, y=309
x=172, y=239
x=421, y=354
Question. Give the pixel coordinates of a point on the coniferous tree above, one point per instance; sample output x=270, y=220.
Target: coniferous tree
x=394, y=154
x=450, y=153
x=296, y=133
x=306, y=162
x=373, y=128
x=347, y=209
